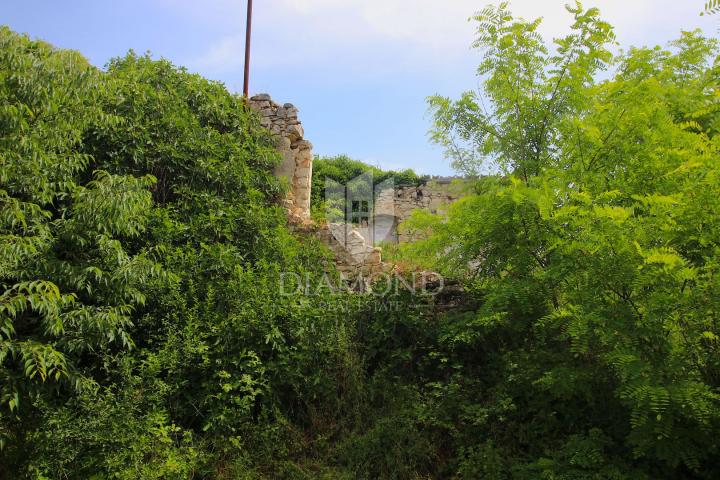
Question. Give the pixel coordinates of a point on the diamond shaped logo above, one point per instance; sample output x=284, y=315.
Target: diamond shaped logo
x=361, y=214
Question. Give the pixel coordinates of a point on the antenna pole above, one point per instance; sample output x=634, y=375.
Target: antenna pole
x=248, y=31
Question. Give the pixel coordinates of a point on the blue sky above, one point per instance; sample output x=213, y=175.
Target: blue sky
x=358, y=70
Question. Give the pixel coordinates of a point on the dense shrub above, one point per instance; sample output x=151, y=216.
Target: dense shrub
x=143, y=331
x=595, y=351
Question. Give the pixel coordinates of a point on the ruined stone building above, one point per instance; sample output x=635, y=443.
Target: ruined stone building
x=296, y=165
x=373, y=218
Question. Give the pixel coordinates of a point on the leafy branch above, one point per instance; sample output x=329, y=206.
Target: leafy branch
x=711, y=7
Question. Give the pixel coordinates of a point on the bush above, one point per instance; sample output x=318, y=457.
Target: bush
x=142, y=249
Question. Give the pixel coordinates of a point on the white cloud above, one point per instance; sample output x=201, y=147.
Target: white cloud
x=401, y=34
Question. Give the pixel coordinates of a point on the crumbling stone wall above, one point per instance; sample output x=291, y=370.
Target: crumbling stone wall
x=296, y=165
x=354, y=256
x=435, y=197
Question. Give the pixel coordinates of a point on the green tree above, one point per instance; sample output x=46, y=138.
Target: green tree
x=595, y=255
x=68, y=280
x=144, y=330
x=513, y=123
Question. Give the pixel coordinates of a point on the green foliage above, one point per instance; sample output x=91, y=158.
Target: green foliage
x=594, y=351
x=527, y=90
x=342, y=169
x=148, y=329
x=393, y=448
x=69, y=281
x=143, y=333
x=118, y=430
x=711, y=7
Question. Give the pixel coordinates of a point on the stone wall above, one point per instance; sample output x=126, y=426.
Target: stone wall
x=355, y=254
x=401, y=201
x=296, y=165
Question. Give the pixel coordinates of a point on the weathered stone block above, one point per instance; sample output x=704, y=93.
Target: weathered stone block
x=294, y=132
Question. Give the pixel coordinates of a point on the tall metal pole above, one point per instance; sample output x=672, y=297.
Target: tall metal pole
x=248, y=31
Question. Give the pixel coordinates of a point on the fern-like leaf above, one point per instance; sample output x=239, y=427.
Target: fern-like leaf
x=711, y=7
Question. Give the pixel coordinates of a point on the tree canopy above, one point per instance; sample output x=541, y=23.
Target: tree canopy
x=142, y=330
x=595, y=253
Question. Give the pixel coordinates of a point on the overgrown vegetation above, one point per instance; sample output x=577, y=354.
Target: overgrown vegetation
x=142, y=331
x=595, y=351
x=146, y=331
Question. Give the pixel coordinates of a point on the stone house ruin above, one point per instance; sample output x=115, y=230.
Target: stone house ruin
x=296, y=165
x=372, y=216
